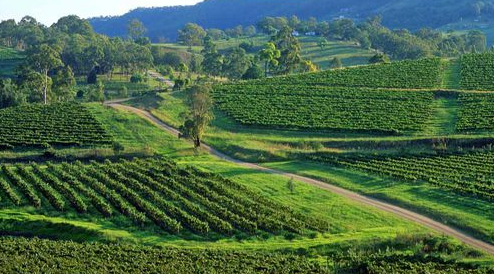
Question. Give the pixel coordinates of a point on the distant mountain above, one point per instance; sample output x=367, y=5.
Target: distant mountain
x=411, y=14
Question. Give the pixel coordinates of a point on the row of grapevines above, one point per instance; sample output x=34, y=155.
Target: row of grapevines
x=300, y=106
x=471, y=173
x=67, y=124
x=44, y=256
x=9, y=192
x=408, y=74
x=53, y=196
x=477, y=71
x=26, y=188
x=152, y=212
x=98, y=202
x=62, y=187
x=178, y=200
x=476, y=112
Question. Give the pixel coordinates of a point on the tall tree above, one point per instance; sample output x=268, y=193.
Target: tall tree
x=290, y=50
x=44, y=59
x=136, y=29
x=213, y=61
x=270, y=54
x=10, y=94
x=191, y=35
x=64, y=84
x=335, y=63
x=236, y=63
x=199, y=116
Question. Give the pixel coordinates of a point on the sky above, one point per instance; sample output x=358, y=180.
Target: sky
x=49, y=11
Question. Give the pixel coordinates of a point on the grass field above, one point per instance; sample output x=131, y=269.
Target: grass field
x=275, y=147
x=9, y=60
x=349, y=53
x=348, y=221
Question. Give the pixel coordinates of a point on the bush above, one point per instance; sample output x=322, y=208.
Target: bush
x=137, y=78
x=118, y=147
x=92, y=78
x=123, y=92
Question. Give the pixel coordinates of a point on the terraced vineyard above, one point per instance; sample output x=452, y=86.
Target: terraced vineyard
x=316, y=108
x=477, y=71
x=66, y=124
x=152, y=191
x=471, y=174
x=409, y=74
x=19, y=255
x=476, y=112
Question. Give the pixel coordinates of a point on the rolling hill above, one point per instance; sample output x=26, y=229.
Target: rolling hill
x=165, y=21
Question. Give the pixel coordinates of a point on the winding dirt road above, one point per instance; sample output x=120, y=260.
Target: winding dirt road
x=401, y=212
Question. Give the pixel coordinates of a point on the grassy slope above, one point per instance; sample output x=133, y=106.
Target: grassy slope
x=467, y=213
x=255, y=145
x=348, y=52
x=264, y=146
x=349, y=221
x=9, y=60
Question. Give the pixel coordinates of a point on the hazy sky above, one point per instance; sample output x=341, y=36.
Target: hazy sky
x=48, y=11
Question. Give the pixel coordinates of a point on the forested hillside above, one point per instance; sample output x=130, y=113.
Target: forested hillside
x=164, y=22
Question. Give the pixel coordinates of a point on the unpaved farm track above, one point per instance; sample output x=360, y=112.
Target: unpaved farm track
x=401, y=212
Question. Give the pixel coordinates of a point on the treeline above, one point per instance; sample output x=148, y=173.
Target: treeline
x=281, y=55
x=371, y=34
x=68, y=48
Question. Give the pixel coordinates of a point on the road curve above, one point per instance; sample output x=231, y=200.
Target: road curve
x=401, y=212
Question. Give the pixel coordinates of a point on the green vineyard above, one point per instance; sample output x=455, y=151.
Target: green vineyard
x=323, y=108
x=153, y=191
x=65, y=124
x=476, y=112
x=477, y=71
x=409, y=74
x=19, y=255
x=471, y=174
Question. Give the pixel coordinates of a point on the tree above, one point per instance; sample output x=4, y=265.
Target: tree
x=308, y=66
x=323, y=43
x=290, y=50
x=32, y=82
x=10, y=94
x=477, y=41
x=199, y=116
x=44, y=59
x=379, y=58
x=213, y=61
x=64, y=85
x=270, y=54
x=253, y=72
x=136, y=29
x=216, y=34
x=191, y=35
x=171, y=59
x=96, y=93
x=250, y=31
x=236, y=63
x=294, y=22
x=92, y=77
x=335, y=63
x=73, y=24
